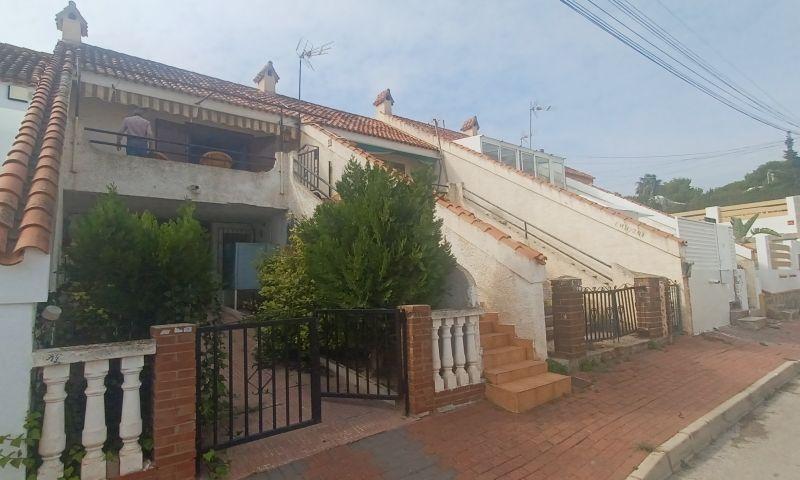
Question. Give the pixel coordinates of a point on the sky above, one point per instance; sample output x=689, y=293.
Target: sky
x=453, y=59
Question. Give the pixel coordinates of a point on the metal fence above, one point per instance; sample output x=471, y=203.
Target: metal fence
x=610, y=313
x=673, y=298
x=306, y=171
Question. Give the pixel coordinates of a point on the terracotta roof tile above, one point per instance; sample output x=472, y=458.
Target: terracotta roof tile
x=444, y=133
x=44, y=123
x=469, y=123
x=499, y=235
x=382, y=97
x=148, y=72
x=21, y=65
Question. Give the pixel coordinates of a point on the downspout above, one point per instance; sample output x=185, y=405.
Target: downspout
x=76, y=118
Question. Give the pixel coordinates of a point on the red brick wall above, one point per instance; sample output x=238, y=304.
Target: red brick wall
x=457, y=396
x=569, y=325
x=651, y=309
x=174, y=377
x=420, y=358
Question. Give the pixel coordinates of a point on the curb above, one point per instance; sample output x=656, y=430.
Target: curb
x=669, y=457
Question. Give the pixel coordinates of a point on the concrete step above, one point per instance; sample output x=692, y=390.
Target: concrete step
x=490, y=317
x=526, y=393
x=514, y=371
x=494, y=340
x=495, y=357
x=752, y=323
x=486, y=326
x=783, y=313
x=737, y=313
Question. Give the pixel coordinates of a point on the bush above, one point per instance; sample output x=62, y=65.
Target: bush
x=126, y=272
x=381, y=245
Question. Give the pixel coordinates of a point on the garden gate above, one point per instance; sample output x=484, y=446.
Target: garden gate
x=610, y=313
x=258, y=379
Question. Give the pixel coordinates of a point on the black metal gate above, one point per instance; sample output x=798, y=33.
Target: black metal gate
x=674, y=318
x=610, y=313
x=259, y=379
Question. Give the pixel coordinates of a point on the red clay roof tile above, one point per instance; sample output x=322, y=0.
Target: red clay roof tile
x=20, y=65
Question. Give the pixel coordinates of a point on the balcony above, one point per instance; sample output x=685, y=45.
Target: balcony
x=207, y=172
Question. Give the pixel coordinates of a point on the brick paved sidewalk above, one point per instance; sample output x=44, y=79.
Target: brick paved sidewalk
x=603, y=432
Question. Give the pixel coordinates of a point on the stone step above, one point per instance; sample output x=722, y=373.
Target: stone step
x=783, y=313
x=495, y=357
x=737, y=313
x=514, y=371
x=526, y=393
x=752, y=323
x=494, y=340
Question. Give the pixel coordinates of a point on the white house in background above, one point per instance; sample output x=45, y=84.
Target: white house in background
x=248, y=157
x=781, y=214
x=584, y=230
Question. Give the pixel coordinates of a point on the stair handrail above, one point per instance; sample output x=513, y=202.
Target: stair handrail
x=331, y=190
x=524, y=228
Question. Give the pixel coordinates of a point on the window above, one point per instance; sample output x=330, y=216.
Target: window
x=19, y=94
x=491, y=150
x=508, y=156
x=543, y=168
x=527, y=160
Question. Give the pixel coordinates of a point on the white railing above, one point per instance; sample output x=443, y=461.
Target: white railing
x=55, y=364
x=456, y=348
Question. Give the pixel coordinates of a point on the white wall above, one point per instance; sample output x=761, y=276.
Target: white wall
x=11, y=113
x=506, y=282
x=709, y=299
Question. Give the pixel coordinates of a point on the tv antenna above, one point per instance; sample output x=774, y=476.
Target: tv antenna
x=304, y=56
x=535, y=107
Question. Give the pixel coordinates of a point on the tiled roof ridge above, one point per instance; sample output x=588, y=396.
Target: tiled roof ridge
x=316, y=112
x=498, y=234
x=35, y=154
x=580, y=198
x=418, y=123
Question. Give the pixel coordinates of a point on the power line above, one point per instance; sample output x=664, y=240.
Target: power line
x=625, y=39
x=692, y=154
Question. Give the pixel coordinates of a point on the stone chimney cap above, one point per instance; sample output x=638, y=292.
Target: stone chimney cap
x=472, y=122
x=385, y=95
x=268, y=71
x=71, y=12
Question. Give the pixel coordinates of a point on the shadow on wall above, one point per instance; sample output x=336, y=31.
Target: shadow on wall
x=460, y=290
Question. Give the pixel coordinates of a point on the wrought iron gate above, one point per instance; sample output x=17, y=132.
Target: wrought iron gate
x=259, y=379
x=674, y=318
x=610, y=313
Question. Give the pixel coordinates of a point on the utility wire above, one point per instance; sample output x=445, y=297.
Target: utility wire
x=725, y=59
x=648, y=23
x=605, y=26
x=674, y=155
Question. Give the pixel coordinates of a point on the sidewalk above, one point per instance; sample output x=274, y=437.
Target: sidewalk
x=603, y=432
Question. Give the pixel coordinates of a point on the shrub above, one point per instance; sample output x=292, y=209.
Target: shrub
x=381, y=245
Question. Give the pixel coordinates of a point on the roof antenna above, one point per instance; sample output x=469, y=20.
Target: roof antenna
x=535, y=107
x=304, y=56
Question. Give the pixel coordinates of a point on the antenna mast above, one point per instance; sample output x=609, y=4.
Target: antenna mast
x=304, y=56
x=535, y=107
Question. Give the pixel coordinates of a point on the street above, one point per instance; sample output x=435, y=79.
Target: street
x=762, y=446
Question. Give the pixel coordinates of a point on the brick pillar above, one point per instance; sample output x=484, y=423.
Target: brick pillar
x=419, y=355
x=651, y=312
x=174, y=377
x=569, y=324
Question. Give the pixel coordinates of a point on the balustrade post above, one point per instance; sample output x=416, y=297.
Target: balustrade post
x=93, y=464
x=130, y=425
x=54, y=439
x=460, y=360
x=471, y=340
x=450, y=380
x=438, y=381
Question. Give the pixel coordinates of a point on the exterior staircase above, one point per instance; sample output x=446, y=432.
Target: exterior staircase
x=515, y=379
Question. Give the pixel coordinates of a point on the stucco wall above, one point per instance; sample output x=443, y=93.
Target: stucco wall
x=92, y=169
x=505, y=281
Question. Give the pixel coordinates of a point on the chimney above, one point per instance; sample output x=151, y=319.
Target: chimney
x=267, y=78
x=384, y=103
x=71, y=24
x=471, y=126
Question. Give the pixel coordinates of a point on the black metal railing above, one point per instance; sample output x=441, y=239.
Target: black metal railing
x=610, y=313
x=528, y=230
x=362, y=353
x=306, y=171
x=185, y=152
x=674, y=317
x=256, y=380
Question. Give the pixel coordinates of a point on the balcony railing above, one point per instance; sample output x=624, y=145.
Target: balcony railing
x=169, y=150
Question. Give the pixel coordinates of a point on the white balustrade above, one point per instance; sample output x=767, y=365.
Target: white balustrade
x=55, y=364
x=456, y=348
x=438, y=381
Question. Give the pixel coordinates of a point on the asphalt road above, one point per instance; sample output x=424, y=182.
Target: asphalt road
x=764, y=445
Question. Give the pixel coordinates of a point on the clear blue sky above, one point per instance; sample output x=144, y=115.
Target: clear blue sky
x=454, y=59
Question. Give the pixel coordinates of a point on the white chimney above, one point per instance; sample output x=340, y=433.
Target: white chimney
x=471, y=126
x=384, y=103
x=71, y=24
x=267, y=78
